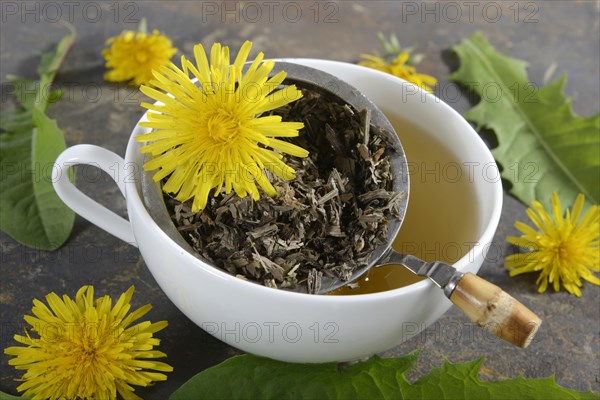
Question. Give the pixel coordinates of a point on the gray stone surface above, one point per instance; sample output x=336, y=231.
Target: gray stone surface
x=560, y=33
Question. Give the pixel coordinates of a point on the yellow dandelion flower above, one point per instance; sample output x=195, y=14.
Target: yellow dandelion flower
x=564, y=248
x=87, y=348
x=211, y=135
x=398, y=62
x=133, y=55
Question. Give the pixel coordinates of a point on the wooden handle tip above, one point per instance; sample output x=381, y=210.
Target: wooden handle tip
x=495, y=310
x=516, y=323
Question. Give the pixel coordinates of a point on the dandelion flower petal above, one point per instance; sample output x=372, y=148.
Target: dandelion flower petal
x=399, y=63
x=132, y=56
x=209, y=137
x=91, y=351
x=564, y=246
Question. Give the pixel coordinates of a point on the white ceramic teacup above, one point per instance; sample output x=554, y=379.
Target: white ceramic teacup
x=286, y=325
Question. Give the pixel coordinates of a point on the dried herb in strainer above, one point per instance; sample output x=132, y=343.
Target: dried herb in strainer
x=326, y=222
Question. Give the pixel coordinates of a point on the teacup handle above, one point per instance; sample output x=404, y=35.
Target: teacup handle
x=83, y=205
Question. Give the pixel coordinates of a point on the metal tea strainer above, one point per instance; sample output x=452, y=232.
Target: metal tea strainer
x=485, y=303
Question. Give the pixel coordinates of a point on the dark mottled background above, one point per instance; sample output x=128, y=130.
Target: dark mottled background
x=554, y=34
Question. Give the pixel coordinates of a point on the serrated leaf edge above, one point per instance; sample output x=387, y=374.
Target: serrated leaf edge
x=563, y=78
